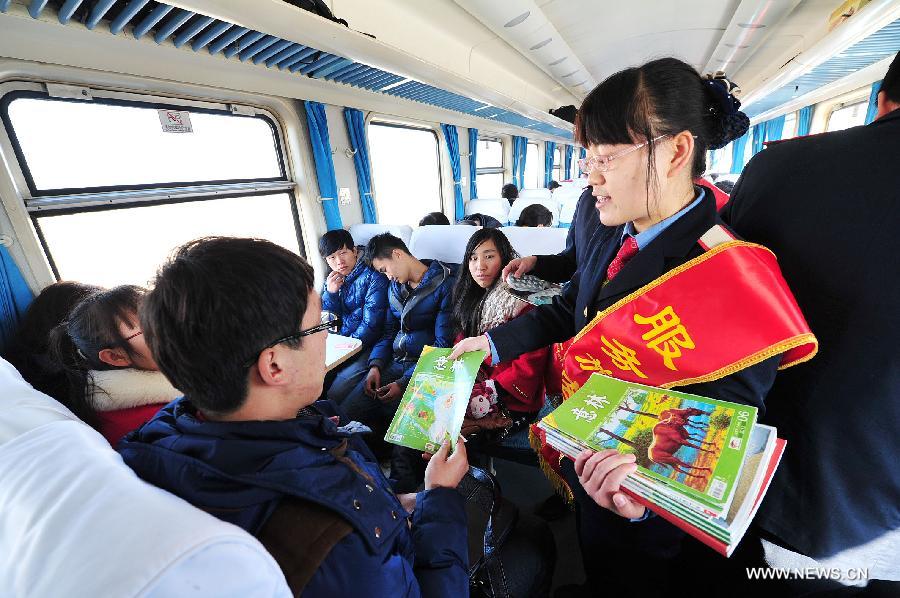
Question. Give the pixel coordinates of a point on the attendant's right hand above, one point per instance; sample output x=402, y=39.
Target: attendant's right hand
x=445, y=471
x=520, y=266
x=473, y=343
x=373, y=382
x=334, y=282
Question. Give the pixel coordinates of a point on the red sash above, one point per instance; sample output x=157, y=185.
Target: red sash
x=717, y=314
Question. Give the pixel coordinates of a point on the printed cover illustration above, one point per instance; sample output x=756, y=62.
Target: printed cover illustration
x=694, y=445
x=435, y=400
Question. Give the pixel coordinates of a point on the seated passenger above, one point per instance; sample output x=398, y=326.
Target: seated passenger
x=509, y=192
x=481, y=220
x=358, y=295
x=420, y=314
x=434, y=218
x=506, y=396
x=28, y=349
x=553, y=186
x=236, y=324
x=112, y=378
x=535, y=215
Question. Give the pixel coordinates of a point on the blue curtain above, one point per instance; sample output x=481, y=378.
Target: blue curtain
x=356, y=129
x=738, y=147
x=452, y=139
x=569, y=152
x=582, y=154
x=321, y=148
x=549, y=156
x=473, y=163
x=775, y=128
x=14, y=297
x=520, y=146
x=804, y=121
x=759, y=136
x=873, y=102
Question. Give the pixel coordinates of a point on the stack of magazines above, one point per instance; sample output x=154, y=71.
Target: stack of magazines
x=703, y=464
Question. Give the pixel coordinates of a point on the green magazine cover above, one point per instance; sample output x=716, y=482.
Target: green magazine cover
x=691, y=444
x=435, y=400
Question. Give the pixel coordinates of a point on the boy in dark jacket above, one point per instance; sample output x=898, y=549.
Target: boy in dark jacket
x=358, y=295
x=236, y=324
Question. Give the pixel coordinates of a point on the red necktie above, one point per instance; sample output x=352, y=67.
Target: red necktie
x=626, y=252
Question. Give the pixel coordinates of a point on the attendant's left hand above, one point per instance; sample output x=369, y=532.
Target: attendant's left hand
x=601, y=474
x=389, y=392
x=408, y=501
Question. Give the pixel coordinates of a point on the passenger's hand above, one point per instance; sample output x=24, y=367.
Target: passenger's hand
x=491, y=421
x=444, y=471
x=519, y=267
x=389, y=392
x=408, y=501
x=334, y=282
x=373, y=381
x=473, y=343
x=601, y=474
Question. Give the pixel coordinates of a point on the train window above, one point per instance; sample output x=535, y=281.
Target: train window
x=790, y=126
x=67, y=145
x=846, y=116
x=489, y=167
x=534, y=169
x=127, y=245
x=405, y=172
x=558, y=165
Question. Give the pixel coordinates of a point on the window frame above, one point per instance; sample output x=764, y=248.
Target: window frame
x=539, y=167
x=861, y=101
x=492, y=169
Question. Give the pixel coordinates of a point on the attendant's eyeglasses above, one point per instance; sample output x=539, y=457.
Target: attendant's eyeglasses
x=602, y=163
x=330, y=323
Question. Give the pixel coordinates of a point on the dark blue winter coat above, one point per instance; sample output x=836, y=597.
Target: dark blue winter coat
x=423, y=316
x=361, y=302
x=241, y=470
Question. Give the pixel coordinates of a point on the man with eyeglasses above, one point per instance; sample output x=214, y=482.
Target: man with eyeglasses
x=236, y=324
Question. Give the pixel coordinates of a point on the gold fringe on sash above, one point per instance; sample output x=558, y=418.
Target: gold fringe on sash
x=556, y=480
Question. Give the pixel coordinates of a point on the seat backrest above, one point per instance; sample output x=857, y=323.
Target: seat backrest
x=496, y=207
x=361, y=233
x=536, y=241
x=83, y=524
x=523, y=202
x=441, y=242
x=567, y=209
x=535, y=194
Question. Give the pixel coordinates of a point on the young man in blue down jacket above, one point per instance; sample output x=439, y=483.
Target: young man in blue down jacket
x=235, y=324
x=358, y=295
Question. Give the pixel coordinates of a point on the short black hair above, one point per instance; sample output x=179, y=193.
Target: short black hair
x=890, y=85
x=509, y=191
x=535, y=215
x=335, y=240
x=434, y=218
x=214, y=305
x=381, y=246
x=553, y=185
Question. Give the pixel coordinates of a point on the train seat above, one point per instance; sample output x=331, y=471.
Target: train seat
x=536, y=241
x=441, y=242
x=535, y=194
x=498, y=208
x=523, y=202
x=361, y=233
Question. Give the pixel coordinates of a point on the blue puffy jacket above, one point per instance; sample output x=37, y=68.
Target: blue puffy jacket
x=361, y=302
x=415, y=319
x=239, y=471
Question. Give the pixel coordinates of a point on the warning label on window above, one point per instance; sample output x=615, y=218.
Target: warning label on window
x=175, y=121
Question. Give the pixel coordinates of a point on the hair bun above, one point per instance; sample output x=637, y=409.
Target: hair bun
x=725, y=108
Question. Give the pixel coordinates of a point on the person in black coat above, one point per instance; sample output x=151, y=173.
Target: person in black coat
x=829, y=207
x=641, y=169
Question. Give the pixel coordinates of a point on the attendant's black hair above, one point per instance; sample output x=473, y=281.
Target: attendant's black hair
x=535, y=215
x=509, y=191
x=214, y=306
x=335, y=240
x=382, y=246
x=467, y=295
x=890, y=85
x=662, y=97
x=434, y=218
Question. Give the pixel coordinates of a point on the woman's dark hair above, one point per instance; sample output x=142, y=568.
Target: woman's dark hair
x=433, y=218
x=662, y=97
x=334, y=240
x=28, y=349
x=535, y=215
x=467, y=295
x=75, y=344
x=509, y=191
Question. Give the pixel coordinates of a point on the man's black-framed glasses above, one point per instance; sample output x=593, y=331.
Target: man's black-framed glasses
x=330, y=322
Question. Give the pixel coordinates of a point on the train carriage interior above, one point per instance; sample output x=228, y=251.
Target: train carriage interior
x=130, y=127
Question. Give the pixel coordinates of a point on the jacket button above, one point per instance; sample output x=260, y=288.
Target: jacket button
x=394, y=514
x=377, y=532
x=370, y=488
x=356, y=504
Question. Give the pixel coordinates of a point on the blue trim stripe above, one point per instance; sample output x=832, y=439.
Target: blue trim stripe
x=225, y=40
x=272, y=50
x=152, y=19
x=99, y=11
x=191, y=31
x=171, y=25
x=245, y=41
x=68, y=9
x=210, y=34
x=124, y=17
x=36, y=7
x=257, y=47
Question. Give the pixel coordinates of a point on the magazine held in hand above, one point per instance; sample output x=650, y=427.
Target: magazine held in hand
x=703, y=464
x=435, y=401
